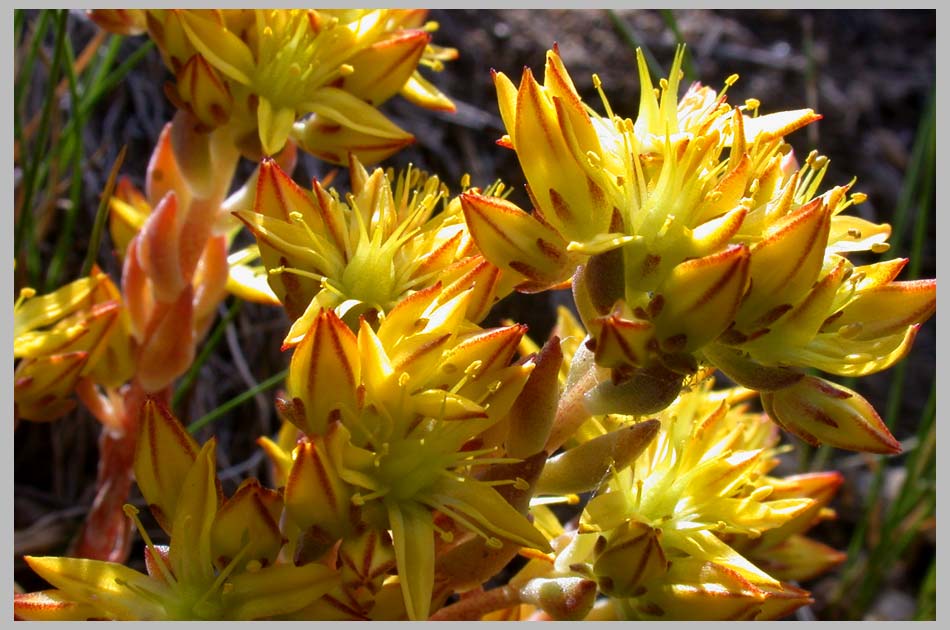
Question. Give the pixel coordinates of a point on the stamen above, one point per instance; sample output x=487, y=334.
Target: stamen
x=224, y=574
x=298, y=272
x=133, y=513
x=603, y=97
x=567, y=499
x=445, y=535
x=361, y=499
x=25, y=294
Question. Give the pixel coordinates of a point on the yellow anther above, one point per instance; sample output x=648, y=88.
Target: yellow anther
x=859, y=197
x=252, y=566
x=880, y=248
x=493, y=542
x=403, y=379
x=346, y=69
x=731, y=80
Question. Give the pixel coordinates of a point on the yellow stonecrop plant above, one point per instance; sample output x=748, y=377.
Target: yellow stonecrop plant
x=316, y=75
x=691, y=237
x=421, y=449
x=391, y=236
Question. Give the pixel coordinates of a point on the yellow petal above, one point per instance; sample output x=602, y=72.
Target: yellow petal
x=222, y=48
x=700, y=298
x=325, y=372
x=770, y=126
x=164, y=454
x=249, y=518
x=112, y=589
x=482, y=503
x=51, y=605
x=190, y=556
x=277, y=590
x=274, y=124
x=412, y=531
x=421, y=92
x=513, y=239
x=315, y=494
x=384, y=68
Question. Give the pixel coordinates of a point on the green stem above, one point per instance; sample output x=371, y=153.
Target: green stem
x=237, y=400
x=689, y=72
x=31, y=170
x=627, y=35
x=54, y=272
x=102, y=213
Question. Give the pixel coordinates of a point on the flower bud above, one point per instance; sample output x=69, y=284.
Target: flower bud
x=249, y=518
x=631, y=558
x=647, y=390
x=819, y=412
x=564, y=598
x=584, y=467
x=343, y=124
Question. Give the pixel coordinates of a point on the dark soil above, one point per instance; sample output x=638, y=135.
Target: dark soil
x=869, y=73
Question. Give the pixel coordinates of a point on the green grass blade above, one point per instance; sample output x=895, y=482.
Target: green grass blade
x=910, y=189
x=626, y=33
x=102, y=214
x=237, y=400
x=917, y=191
x=669, y=18
x=26, y=68
x=38, y=151
x=99, y=90
x=58, y=259
x=921, y=462
x=927, y=597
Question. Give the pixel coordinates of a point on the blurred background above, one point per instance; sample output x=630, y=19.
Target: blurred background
x=871, y=74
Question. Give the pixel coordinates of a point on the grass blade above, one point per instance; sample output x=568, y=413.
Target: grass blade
x=626, y=33
x=689, y=72
x=23, y=237
x=57, y=261
x=263, y=386
x=102, y=214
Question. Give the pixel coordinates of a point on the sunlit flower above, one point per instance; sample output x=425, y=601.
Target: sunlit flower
x=412, y=400
x=218, y=565
x=691, y=236
x=79, y=330
x=391, y=236
x=260, y=71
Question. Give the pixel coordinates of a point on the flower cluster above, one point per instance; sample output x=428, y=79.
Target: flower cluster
x=421, y=448
x=315, y=75
x=693, y=238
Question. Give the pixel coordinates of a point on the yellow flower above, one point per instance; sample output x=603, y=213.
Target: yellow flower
x=690, y=236
x=219, y=564
x=79, y=330
x=390, y=237
x=257, y=72
x=413, y=400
